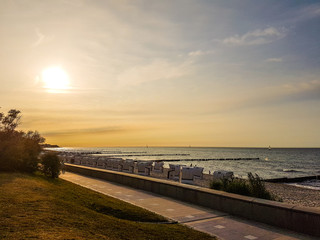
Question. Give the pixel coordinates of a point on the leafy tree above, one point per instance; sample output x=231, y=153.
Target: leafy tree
x=51, y=164
x=11, y=121
x=19, y=151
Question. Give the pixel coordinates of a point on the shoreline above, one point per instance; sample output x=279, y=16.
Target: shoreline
x=291, y=194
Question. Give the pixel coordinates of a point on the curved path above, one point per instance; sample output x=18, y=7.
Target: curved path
x=202, y=219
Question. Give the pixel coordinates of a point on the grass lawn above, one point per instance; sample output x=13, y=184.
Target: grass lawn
x=35, y=207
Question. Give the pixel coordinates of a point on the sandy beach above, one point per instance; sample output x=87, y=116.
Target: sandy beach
x=295, y=195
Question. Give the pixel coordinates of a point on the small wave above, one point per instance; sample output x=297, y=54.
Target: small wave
x=311, y=184
x=290, y=170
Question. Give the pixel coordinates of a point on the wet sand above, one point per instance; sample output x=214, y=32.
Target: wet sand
x=295, y=195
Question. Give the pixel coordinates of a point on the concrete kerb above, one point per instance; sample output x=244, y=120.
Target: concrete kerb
x=300, y=219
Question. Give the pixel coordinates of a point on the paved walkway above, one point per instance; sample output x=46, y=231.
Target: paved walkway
x=202, y=219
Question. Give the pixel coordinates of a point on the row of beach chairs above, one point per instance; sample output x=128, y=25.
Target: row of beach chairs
x=116, y=164
x=179, y=173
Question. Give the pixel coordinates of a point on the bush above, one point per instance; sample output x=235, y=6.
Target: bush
x=253, y=187
x=238, y=186
x=257, y=187
x=51, y=164
x=216, y=184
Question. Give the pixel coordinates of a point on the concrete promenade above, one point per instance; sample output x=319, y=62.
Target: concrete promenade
x=210, y=221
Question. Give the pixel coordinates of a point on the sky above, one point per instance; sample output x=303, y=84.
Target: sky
x=89, y=73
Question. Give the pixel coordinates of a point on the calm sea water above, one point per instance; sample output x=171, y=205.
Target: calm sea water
x=274, y=163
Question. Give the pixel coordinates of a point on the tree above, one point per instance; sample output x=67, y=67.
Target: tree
x=51, y=164
x=19, y=151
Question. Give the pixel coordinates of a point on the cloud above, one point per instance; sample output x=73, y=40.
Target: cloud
x=256, y=37
x=40, y=38
x=270, y=96
x=306, y=89
x=199, y=53
x=84, y=131
x=308, y=12
x=159, y=69
x=274, y=60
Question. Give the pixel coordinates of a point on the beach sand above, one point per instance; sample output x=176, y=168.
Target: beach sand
x=295, y=195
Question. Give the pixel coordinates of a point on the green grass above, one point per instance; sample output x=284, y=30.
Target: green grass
x=35, y=207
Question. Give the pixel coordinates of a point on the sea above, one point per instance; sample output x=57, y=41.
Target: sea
x=266, y=162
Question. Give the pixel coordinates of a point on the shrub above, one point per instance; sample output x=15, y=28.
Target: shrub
x=51, y=165
x=253, y=187
x=238, y=186
x=257, y=187
x=216, y=184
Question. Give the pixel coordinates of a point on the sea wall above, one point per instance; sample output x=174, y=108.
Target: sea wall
x=300, y=219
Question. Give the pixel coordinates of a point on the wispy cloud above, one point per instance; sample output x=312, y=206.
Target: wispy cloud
x=303, y=87
x=270, y=96
x=40, y=38
x=306, y=13
x=159, y=69
x=84, y=131
x=275, y=60
x=256, y=37
x=199, y=53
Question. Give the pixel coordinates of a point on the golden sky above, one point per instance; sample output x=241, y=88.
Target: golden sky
x=163, y=73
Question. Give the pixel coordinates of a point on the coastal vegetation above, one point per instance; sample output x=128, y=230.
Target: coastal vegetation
x=19, y=150
x=253, y=187
x=51, y=164
x=33, y=206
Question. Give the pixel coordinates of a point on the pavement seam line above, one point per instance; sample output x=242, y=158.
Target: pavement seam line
x=196, y=220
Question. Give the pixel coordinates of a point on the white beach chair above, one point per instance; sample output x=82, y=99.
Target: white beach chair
x=101, y=163
x=198, y=172
x=221, y=174
x=91, y=161
x=116, y=164
x=158, y=167
x=189, y=174
x=174, y=171
x=128, y=165
x=109, y=163
x=84, y=161
x=144, y=167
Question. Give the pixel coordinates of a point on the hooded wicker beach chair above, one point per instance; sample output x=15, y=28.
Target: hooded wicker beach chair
x=101, y=163
x=144, y=167
x=174, y=171
x=189, y=174
x=221, y=174
x=117, y=164
x=158, y=167
x=128, y=165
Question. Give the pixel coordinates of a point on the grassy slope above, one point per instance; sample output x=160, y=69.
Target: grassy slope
x=34, y=207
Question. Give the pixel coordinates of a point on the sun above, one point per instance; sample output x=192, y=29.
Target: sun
x=55, y=79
